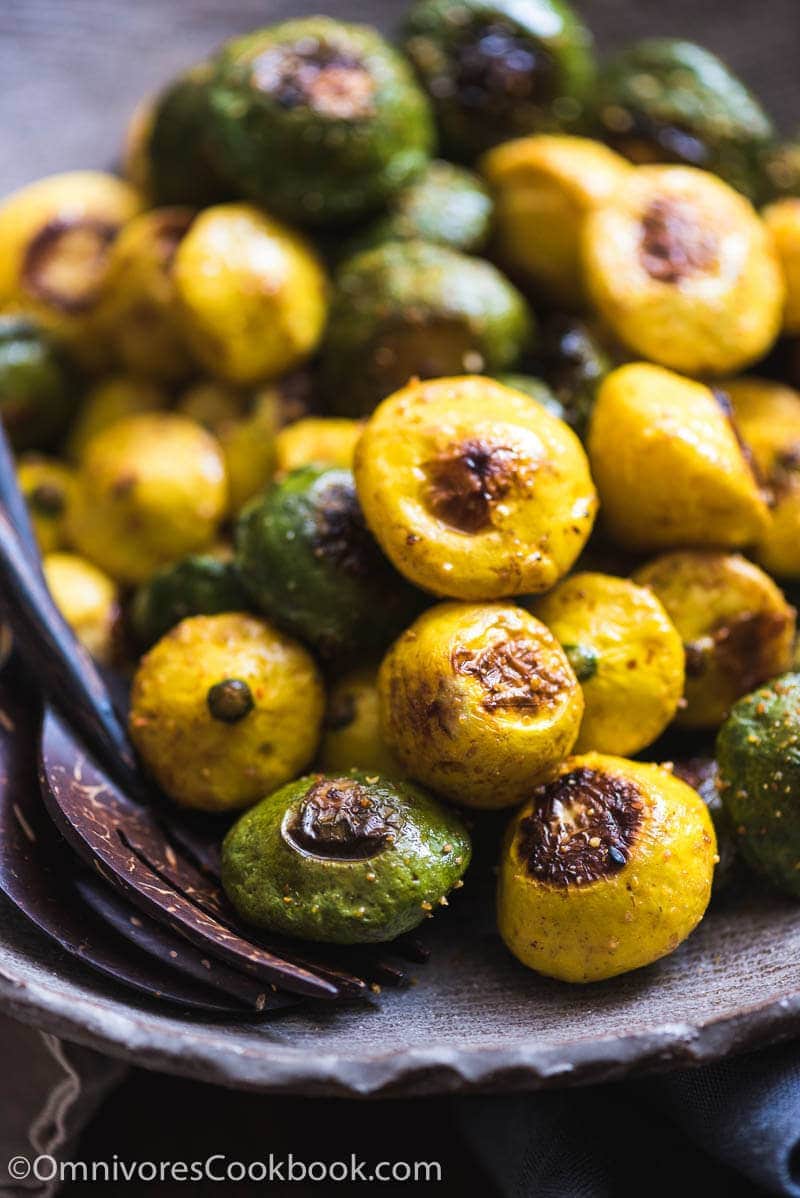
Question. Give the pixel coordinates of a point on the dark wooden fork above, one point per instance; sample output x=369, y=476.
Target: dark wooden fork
x=104, y=807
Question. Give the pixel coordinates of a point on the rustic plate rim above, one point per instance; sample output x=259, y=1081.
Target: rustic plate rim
x=200, y=1050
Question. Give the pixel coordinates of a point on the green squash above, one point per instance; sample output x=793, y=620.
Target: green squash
x=318, y=120
x=181, y=165
x=412, y=309
x=308, y=562
x=347, y=860
x=758, y=754
x=198, y=585
x=663, y=100
x=447, y=205
x=573, y=362
x=498, y=69
x=38, y=385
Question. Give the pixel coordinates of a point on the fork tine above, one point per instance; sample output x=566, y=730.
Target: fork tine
x=203, y=889
x=143, y=864
x=199, y=838
x=177, y=953
x=44, y=635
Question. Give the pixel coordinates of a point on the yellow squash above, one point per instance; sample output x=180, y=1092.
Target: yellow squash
x=474, y=490
x=352, y=734
x=627, y=656
x=140, y=311
x=88, y=600
x=607, y=868
x=317, y=441
x=768, y=415
x=252, y=293
x=47, y=486
x=55, y=243
x=245, y=425
x=224, y=710
x=479, y=702
x=783, y=221
x=735, y=624
x=544, y=187
x=668, y=464
x=683, y=271
x=108, y=401
x=150, y=489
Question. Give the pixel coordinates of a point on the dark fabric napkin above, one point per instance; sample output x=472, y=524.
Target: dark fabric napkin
x=724, y=1125
x=48, y=1092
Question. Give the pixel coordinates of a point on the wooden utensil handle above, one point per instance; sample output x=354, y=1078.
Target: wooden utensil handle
x=63, y=669
x=61, y=666
x=13, y=501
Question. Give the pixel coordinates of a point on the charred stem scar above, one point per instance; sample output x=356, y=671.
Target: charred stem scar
x=513, y=675
x=495, y=67
x=230, y=700
x=313, y=74
x=339, y=819
x=65, y=261
x=582, y=829
x=674, y=246
x=741, y=646
x=340, y=533
x=467, y=481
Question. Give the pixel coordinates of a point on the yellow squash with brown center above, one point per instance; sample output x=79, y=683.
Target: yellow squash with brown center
x=607, y=868
x=627, y=656
x=56, y=237
x=668, y=464
x=683, y=271
x=479, y=702
x=736, y=626
x=474, y=490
